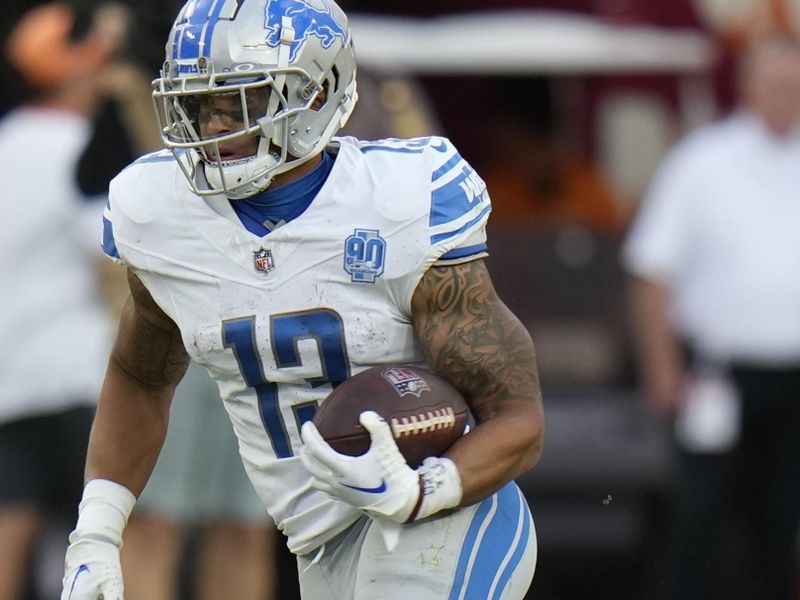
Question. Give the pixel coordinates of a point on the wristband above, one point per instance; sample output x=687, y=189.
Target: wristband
x=104, y=511
x=439, y=488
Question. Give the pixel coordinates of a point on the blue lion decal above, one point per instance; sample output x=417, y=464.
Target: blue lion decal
x=306, y=21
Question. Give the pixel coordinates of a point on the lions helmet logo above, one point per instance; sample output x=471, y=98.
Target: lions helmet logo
x=307, y=20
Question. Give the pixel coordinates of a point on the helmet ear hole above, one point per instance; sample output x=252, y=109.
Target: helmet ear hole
x=321, y=99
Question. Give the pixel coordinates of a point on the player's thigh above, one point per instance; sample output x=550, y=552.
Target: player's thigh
x=330, y=572
x=484, y=551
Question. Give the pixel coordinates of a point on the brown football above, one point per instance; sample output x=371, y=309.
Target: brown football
x=424, y=411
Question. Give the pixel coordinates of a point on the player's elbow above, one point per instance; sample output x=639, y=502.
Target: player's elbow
x=532, y=439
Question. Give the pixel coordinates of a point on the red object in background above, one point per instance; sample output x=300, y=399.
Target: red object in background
x=621, y=11
x=674, y=13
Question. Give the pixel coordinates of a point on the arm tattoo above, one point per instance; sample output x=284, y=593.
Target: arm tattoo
x=471, y=338
x=149, y=346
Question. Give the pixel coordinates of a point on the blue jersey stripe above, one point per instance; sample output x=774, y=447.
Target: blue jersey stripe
x=446, y=167
x=402, y=146
x=457, y=197
x=109, y=245
x=401, y=150
x=465, y=251
x=435, y=239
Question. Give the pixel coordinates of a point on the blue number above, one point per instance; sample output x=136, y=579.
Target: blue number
x=323, y=326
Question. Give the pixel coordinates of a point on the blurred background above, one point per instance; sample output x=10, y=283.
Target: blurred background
x=566, y=108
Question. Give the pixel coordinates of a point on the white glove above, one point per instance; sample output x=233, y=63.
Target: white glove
x=92, y=568
x=380, y=482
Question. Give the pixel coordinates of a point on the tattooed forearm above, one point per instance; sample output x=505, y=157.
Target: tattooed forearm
x=472, y=338
x=149, y=347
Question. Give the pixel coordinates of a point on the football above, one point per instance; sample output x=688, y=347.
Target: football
x=424, y=411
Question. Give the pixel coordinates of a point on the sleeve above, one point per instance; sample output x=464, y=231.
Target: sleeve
x=127, y=210
x=108, y=243
x=447, y=210
x=656, y=242
x=459, y=207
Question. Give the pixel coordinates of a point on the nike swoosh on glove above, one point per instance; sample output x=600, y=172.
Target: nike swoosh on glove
x=380, y=482
x=91, y=568
x=92, y=571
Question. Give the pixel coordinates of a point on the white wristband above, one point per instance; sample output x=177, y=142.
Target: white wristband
x=104, y=511
x=440, y=487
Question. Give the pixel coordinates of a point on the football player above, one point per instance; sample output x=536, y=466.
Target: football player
x=292, y=260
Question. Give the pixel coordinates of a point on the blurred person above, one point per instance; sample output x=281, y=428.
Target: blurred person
x=55, y=330
x=391, y=106
x=291, y=260
x=536, y=181
x=714, y=256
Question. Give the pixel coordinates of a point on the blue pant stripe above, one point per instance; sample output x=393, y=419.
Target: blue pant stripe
x=483, y=556
x=468, y=545
x=496, y=544
x=522, y=544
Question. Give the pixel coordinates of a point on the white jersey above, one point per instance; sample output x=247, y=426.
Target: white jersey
x=277, y=320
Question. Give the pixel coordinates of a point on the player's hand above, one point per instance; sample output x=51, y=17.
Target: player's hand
x=92, y=570
x=379, y=482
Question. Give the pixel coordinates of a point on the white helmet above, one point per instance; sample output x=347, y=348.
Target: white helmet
x=274, y=58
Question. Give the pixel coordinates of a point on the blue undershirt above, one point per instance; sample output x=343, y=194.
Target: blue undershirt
x=263, y=212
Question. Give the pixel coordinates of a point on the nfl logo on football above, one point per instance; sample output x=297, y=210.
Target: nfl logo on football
x=262, y=260
x=405, y=381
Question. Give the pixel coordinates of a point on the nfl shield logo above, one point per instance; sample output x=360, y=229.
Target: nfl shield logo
x=262, y=260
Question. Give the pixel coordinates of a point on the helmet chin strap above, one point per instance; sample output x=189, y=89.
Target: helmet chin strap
x=227, y=180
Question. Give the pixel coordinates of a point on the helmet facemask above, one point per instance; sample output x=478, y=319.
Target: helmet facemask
x=231, y=135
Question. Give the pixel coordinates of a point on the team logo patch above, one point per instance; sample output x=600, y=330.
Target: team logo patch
x=307, y=20
x=262, y=260
x=364, y=255
x=405, y=381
